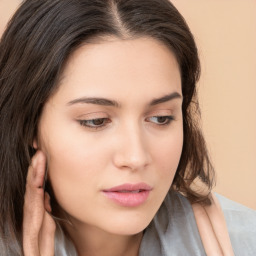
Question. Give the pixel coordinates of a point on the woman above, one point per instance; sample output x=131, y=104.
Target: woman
x=101, y=149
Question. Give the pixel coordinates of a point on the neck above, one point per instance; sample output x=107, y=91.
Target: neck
x=92, y=241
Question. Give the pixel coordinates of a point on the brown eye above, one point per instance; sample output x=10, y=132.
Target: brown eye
x=97, y=122
x=161, y=120
x=94, y=123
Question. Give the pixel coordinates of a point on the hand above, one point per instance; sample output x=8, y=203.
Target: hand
x=38, y=225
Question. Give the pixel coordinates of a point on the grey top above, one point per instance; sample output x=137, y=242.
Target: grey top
x=173, y=231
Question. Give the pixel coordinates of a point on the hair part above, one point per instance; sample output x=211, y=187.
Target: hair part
x=33, y=51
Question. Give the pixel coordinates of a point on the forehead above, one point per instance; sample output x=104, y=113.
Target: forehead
x=115, y=68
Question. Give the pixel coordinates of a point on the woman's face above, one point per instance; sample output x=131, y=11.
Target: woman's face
x=113, y=133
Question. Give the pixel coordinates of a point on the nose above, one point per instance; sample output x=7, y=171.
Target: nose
x=132, y=150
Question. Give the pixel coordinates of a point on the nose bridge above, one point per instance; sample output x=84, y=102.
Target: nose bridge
x=133, y=151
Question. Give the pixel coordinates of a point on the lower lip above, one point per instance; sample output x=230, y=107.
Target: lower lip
x=128, y=199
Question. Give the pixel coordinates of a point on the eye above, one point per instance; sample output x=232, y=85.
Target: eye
x=161, y=120
x=94, y=123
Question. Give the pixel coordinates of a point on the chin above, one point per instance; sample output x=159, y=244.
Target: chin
x=128, y=225
x=127, y=230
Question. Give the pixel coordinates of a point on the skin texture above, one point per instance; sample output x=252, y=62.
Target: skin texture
x=131, y=144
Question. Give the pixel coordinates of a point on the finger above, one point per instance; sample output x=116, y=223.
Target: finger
x=47, y=234
x=47, y=203
x=36, y=171
x=34, y=195
x=33, y=210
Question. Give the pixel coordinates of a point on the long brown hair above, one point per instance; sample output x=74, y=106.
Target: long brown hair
x=33, y=50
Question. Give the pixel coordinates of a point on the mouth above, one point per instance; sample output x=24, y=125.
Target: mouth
x=129, y=195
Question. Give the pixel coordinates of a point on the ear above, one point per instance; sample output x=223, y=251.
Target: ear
x=35, y=144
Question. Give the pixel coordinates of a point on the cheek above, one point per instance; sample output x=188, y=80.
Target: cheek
x=169, y=151
x=167, y=157
x=72, y=163
x=78, y=166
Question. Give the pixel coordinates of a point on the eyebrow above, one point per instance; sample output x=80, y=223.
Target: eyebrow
x=113, y=103
x=165, y=98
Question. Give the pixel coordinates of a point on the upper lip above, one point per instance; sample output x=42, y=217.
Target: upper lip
x=129, y=187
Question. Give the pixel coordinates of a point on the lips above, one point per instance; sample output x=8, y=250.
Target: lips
x=128, y=195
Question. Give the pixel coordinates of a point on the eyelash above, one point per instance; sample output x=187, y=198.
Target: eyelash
x=104, y=121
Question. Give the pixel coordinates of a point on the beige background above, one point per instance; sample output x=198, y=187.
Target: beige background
x=7, y=8
x=225, y=31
